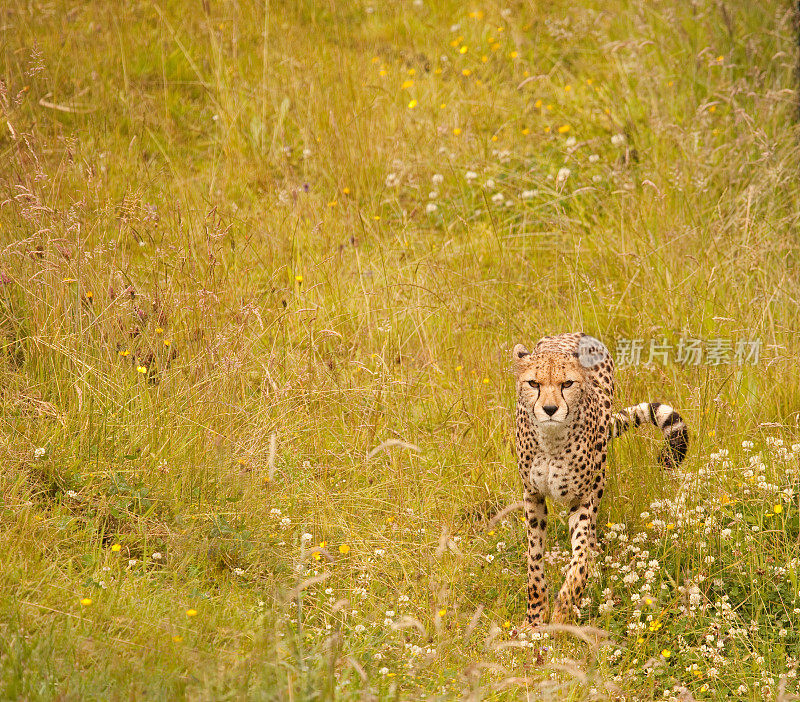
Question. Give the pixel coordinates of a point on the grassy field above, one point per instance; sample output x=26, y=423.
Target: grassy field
x=261, y=269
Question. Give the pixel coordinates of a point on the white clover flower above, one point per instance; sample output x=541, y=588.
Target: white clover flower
x=500, y=545
x=571, y=141
x=275, y=511
x=433, y=194
x=529, y=194
x=597, y=178
x=497, y=198
x=306, y=153
x=563, y=174
x=306, y=537
x=509, y=203
x=392, y=180
x=384, y=670
x=72, y=493
x=431, y=207
x=470, y=175
x=380, y=552
x=594, y=158
x=156, y=556
x=359, y=628
x=618, y=139
x=437, y=178
x=238, y=571
x=39, y=453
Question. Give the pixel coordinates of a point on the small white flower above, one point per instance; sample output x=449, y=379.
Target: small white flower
x=490, y=183
x=437, y=178
x=156, y=556
x=71, y=493
x=618, y=139
x=489, y=558
x=563, y=174
x=597, y=178
x=384, y=670
x=306, y=537
x=529, y=194
x=431, y=207
x=358, y=628
x=306, y=153
x=433, y=194
x=470, y=175
x=497, y=198
x=594, y=158
x=39, y=453
x=380, y=552
x=571, y=141
x=500, y=545
x=238, y=571
x=392, y=180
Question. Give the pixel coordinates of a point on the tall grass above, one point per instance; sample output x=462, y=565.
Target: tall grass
x=243, y=246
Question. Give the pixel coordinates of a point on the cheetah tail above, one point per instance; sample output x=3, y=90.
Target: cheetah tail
x=665, y=418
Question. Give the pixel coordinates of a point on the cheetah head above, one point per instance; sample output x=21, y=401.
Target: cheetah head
x=549, y=385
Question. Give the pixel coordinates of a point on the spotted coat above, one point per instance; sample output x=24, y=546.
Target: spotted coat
x=565, y=390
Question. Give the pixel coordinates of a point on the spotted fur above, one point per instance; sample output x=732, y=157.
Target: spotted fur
x=565, y=388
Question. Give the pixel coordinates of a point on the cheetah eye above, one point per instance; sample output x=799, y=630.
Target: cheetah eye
x=533, y=384
x=567, y=383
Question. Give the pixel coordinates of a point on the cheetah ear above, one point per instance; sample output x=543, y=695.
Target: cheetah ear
x=519, y=357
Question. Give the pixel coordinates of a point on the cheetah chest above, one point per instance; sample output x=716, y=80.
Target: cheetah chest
x=561, y=478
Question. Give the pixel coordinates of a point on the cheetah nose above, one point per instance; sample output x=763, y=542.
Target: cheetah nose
x=550, y=410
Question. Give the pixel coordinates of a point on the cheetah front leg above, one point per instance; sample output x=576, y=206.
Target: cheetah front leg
x=597, y=495
x=580, y=527
x=536, y=521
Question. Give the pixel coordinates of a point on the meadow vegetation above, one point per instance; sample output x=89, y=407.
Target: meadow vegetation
x=261, y=269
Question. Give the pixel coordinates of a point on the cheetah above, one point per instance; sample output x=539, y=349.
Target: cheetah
x=565, y=388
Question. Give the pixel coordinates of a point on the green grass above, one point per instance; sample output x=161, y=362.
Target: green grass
x=243, y=246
